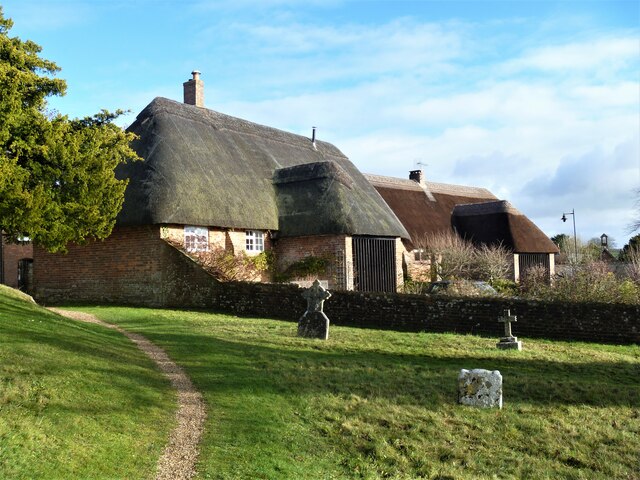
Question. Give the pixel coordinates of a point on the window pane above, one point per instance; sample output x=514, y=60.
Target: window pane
x=254, y=241
x=196, y=239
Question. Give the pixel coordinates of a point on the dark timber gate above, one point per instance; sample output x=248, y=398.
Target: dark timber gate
x=527, y=261
x=374, y=264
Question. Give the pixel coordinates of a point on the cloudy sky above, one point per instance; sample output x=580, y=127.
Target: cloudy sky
x=538, y=101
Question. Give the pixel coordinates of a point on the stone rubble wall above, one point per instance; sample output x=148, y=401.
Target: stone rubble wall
x=158, y=275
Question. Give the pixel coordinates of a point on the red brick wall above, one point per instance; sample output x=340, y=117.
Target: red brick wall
x=335, y=247
x=127, y=267
x=11, y=255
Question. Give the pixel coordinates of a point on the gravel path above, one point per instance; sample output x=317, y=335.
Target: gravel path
x=179, y=458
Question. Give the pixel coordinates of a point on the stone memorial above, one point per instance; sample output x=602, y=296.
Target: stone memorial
x=314, y=323
x=480, y=388
x=508, y=341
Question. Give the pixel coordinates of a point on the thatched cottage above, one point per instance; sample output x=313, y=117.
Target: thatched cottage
x=429, y=208
x=209, y=182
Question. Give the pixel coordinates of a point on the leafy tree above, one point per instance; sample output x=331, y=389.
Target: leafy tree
x=560, y=239
x=630, y=248
x=57, y=182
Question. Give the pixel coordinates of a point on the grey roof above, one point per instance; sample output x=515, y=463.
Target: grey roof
x=205, y=168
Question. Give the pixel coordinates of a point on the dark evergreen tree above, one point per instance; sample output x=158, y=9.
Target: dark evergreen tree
x=57, y=181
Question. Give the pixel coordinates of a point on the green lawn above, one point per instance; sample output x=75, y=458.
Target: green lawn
x=377, y=404
x=77, y=401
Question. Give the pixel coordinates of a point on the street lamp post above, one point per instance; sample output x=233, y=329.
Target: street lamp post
x=575, y=238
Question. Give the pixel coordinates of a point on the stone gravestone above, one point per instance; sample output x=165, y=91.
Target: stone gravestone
x=314, y=323
x=508, y=341
x=480, y=388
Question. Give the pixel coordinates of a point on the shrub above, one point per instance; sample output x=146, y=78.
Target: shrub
x=592, y=282
x=457, y=258
x=505, y=287
x=414, y=287
x=225, y=266
x=305, y=268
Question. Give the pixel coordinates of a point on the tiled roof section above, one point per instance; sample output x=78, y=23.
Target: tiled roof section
x=203, y=167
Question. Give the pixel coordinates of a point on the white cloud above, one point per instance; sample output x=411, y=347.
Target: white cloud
x=295, y=55
x=586, y=55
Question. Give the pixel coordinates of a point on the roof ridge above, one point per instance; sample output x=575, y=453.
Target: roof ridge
x=433, y=187
x=464, y=190
x=224, y=121
x=485, y=208
x=393, y=182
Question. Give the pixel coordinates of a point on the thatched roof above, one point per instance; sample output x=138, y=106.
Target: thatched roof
x=205, y=168
x=475, y=213
x=500, y=222
x=425, y=209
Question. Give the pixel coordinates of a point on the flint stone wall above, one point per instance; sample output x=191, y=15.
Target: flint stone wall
x=164, y=277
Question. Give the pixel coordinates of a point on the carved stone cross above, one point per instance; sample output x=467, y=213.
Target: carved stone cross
x=508, y=341
x=314, y=323
x=315, y=296
x=507, y=318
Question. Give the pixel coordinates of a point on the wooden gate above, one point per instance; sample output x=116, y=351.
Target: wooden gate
x=374, y=264
x=527, y=261
x=25, y=274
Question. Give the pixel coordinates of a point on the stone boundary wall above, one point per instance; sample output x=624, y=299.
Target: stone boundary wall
x=181, y=283
x=590, y=322
x=618, y=324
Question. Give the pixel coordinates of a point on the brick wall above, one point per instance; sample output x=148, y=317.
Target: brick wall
x=12, y=253
x=335, y=247
x=127, y=267
x=190, y=287
x=158, y=274
x=175, y=233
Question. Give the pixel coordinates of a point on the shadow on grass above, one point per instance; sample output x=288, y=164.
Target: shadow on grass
x=77, y=352
x=215, y=364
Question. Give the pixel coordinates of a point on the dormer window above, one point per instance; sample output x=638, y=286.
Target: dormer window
x=254, y=241
x=196, y=239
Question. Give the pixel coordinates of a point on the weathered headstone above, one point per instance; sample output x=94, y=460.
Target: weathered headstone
x=480, y=388
x=314, y=323
x=508, y=341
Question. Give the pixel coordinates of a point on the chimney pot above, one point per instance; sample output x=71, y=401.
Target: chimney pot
x=417, y=176
x=194, y=90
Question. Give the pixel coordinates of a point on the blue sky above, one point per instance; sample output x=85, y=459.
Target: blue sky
x=538, y=101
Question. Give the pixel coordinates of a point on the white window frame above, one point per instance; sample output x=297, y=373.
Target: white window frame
x=196, y=239
x=254, y=241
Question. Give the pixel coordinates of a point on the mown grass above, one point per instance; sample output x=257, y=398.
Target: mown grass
x=379, y=404
x=77, y=401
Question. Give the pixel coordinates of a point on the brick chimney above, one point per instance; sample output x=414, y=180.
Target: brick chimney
x=417, y=176
x=194, y=90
